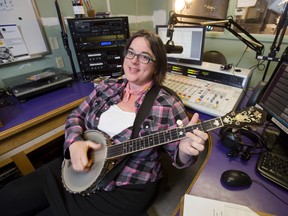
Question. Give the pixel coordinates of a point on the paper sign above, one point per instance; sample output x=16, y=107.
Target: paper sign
x=12, y=45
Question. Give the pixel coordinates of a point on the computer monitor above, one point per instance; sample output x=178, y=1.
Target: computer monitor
x=275, y=102
x=191, y=38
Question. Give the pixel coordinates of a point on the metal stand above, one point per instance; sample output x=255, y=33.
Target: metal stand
x=65, y=39
x=275, y=47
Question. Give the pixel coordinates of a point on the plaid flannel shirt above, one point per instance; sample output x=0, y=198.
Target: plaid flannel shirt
x=143, y=166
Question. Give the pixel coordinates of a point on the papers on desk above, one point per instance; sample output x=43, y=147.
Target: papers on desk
x=194, y=205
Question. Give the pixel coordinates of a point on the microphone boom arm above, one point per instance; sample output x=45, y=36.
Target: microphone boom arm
x=249, y=40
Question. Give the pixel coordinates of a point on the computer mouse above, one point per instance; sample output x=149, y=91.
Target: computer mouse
x=235, y=178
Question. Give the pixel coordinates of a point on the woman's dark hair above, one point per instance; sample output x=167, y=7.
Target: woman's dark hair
x=159, y=51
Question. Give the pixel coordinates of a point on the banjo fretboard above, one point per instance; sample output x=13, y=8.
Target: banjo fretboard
x=160, y=138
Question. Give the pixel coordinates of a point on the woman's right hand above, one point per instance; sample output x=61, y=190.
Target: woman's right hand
x=79, y=154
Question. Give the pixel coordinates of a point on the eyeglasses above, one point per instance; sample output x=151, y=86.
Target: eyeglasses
x=143, y=58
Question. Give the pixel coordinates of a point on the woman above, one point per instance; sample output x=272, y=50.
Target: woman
x=112, y=108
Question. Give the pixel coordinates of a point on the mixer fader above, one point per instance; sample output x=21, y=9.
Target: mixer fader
x=213, y=98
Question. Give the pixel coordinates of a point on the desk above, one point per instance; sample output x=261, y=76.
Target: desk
x=207, y=182
x=30, y=125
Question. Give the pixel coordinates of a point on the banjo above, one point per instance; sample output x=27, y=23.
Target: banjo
x=104, y=159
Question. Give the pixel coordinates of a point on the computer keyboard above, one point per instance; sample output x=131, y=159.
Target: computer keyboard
x=274, y=167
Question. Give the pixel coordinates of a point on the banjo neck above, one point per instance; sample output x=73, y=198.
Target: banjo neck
x=248, y=116
x=160, y=138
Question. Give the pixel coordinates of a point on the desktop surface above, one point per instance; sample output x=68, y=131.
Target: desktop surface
x=256, y=197
x=208, y=182
x=18, y=113
x=36, y=122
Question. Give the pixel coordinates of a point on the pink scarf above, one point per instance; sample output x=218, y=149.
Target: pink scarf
x=128, y=92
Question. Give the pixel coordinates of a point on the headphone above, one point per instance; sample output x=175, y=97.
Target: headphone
x=233, y=139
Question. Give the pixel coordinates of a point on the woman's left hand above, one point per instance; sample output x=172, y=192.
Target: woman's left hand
x=193, y=143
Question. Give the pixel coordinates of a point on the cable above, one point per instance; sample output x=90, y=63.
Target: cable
x=256, y=181
x=261, y=184
x=242, y=56
x=258, y=66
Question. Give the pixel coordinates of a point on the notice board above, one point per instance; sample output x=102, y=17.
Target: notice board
x=21, y=34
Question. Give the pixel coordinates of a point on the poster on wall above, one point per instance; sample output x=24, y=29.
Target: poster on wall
x=12, y=45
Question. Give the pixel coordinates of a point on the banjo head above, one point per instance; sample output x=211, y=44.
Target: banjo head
x=81, y=182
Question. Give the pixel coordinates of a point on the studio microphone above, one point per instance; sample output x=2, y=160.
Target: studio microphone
x=171, y=48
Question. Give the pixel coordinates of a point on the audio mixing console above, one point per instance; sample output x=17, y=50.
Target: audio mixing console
x=206, y=88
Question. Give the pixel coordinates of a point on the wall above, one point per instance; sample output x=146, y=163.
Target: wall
x=142, y=14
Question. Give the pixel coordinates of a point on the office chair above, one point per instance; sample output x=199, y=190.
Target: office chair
x=214, y=56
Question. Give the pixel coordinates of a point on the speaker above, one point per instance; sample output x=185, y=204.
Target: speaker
x=241, y=142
